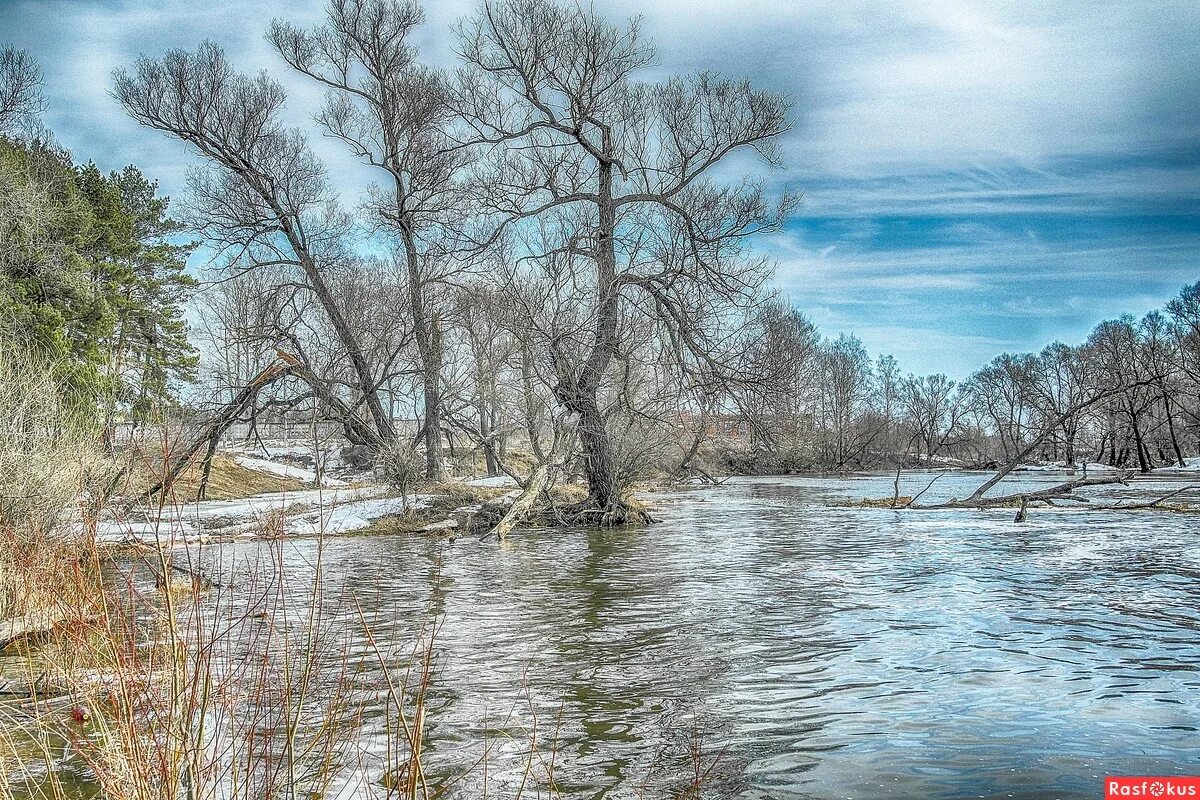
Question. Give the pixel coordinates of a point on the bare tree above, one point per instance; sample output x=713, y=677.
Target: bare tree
x=1060, y=380
x=784, y=357
x=262, y=200
x=620, y=167
x=20, y=89
x=846, y=384
x=1117, y=353
x=935, y=410
x=1000, y=393
x=394, y=113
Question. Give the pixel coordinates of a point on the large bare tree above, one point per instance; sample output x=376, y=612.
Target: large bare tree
x=262, y=198
x=612, y=173
x=394, y=114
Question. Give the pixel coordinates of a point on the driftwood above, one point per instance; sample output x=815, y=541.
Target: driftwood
x=535, y=485
x=1157, y=503
x=1062, y=491
x=1047, y=431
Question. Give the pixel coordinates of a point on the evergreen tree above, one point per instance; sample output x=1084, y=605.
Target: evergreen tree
x=92, y=276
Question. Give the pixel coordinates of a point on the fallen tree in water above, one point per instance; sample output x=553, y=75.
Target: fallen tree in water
x=1065, y=491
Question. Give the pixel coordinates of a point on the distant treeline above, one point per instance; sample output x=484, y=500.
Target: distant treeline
x=824, y=404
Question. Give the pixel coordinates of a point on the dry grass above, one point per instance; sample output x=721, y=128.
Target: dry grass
x=227, y=480
x=878, y=502
x=50, y=466
x=446, y=497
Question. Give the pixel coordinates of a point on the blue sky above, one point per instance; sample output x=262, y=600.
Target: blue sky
x=978, y=176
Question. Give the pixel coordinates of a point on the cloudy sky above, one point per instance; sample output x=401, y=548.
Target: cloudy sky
x=978, y=175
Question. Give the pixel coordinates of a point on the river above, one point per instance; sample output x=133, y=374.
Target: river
x=813, y=649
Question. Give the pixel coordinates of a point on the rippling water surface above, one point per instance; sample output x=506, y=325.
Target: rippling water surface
x=819, y=650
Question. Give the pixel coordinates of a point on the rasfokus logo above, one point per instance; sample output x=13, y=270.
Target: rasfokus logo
x=1152, y=787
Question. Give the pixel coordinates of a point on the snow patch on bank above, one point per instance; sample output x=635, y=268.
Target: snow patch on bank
x=1062, y=466
x=337, y=510
x=1190, y=465
x=284, y=470
x=494, y=481
x=351, y=516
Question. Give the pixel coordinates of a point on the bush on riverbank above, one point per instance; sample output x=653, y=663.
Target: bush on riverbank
x=51, y=467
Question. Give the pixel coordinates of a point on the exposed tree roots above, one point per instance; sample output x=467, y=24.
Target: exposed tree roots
x=615, y=514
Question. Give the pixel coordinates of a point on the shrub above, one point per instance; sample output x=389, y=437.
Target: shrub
x=51, y=465
x=399, y=467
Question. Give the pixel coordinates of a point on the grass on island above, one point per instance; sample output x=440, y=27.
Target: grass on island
x=442, y=499
x=877, y=502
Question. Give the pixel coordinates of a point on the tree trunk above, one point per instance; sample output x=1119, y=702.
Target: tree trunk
x=485, y=432
x=346, y=336
x=1142, y=454
x=530, y=410
x=427, y=332
x=1179, y=459
x=599, y=462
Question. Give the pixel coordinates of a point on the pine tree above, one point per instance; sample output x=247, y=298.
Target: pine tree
x=92, y=276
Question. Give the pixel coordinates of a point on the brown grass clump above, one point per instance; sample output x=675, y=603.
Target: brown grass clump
x=878, y=502
x=463, y=493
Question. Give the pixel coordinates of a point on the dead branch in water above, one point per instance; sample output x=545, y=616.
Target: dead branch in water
x=535, y=485
x=18, y=629
x=1157, y=503
x=1062, y=491
x=1019, y=458
x=912, y=500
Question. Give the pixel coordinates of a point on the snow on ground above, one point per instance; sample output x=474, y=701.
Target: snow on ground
x=1062, y=466
x=302, y=513
x=284, y=470
x=352, y=516
x=491, y=481
x=297, y=451
x=1190, y=465
x=335, y=507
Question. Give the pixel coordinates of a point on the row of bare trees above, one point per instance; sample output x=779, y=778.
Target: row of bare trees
x=826, y=405
x=549, y=264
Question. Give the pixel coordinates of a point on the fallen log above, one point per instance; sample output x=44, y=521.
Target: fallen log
x=537, y=483
x=220, y=422
x=1156, y=503
x=1062, y=491
x=1047, y=430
